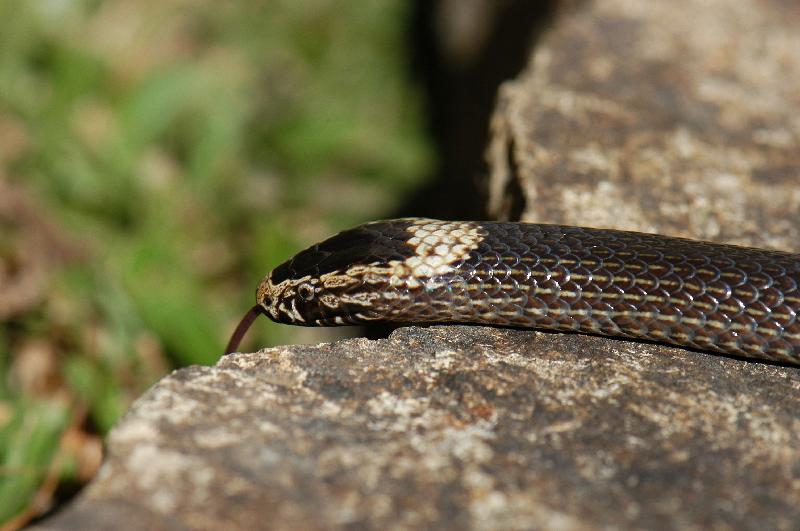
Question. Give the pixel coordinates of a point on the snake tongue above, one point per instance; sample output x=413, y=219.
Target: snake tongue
x=242, y=327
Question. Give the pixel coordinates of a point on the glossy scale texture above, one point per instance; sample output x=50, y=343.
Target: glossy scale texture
x=713, y=297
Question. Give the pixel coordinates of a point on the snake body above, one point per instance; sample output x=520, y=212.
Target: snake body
x=712, y=297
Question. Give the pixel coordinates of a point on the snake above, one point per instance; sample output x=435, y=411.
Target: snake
x=716, y=298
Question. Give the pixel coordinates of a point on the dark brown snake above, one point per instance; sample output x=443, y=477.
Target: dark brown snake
x=712, y=297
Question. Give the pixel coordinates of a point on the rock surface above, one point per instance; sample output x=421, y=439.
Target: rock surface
x=456, y=428
x=680, y=118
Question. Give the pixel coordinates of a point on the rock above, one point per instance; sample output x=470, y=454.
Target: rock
x=676, y=117
x=453, y=428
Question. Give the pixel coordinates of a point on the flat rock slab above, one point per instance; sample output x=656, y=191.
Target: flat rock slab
x=456, y=428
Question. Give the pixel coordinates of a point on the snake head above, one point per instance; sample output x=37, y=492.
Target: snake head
x=385, y=271
x=334, y=282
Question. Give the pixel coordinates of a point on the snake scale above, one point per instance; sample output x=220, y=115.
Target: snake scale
x=717, y=298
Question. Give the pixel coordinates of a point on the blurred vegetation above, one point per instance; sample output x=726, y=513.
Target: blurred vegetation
x=157, y=158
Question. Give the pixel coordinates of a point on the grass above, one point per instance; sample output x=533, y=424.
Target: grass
x=162, y=157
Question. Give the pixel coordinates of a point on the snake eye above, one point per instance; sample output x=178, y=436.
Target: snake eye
x=306, y=291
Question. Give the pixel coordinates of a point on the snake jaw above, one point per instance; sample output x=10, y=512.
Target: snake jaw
x=330, y=300
x=280, y=301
